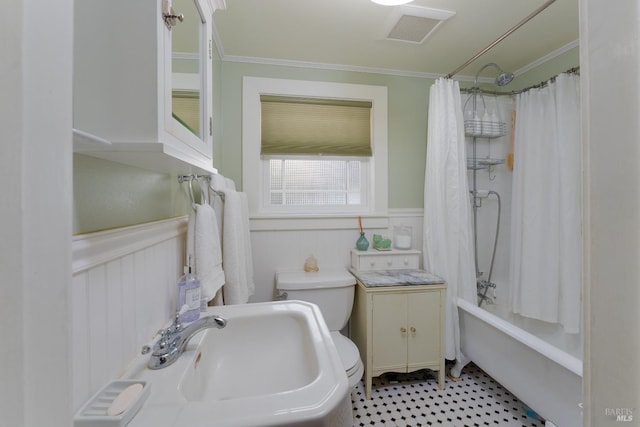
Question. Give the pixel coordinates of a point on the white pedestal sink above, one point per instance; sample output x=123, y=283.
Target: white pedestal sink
x=274, y=364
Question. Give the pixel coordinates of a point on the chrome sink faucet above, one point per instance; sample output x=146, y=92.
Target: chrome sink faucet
x=174, y=339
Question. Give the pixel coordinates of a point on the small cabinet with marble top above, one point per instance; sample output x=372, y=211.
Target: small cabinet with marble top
x=398, y=322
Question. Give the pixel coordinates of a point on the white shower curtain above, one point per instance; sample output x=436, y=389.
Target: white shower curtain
x=546, y=212
x=448, y=244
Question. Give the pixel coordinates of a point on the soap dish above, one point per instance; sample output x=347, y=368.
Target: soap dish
x=94, y=412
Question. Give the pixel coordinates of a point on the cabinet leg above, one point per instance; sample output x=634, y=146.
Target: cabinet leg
x=441, y=378
x=367, y=386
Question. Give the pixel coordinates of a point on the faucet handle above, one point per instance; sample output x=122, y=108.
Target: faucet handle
x=160, y=337
x=176, y=326
x=165, y=337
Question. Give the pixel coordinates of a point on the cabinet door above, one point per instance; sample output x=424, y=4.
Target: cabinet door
x=188, y=91
x=389, y=340
x=423, y=325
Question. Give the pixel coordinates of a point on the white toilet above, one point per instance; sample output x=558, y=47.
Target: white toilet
x=332, y=292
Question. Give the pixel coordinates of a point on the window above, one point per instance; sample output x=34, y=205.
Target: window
x=315, y=184
x=314, y=152
x=290, y=178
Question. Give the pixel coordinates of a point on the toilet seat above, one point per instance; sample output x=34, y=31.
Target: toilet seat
x=349, y=354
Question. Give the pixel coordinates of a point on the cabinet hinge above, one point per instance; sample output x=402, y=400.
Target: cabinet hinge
x=210, y=126
x=210, y=49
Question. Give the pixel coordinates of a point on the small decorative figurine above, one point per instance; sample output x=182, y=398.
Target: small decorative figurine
x=311, y=264
x=381, y=243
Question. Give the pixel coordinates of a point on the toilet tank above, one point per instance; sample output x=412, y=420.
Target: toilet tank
x=331, y=291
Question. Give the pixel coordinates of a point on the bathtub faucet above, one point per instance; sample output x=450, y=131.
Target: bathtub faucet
x=485, y=284
x=175, y=338
x=483, y=298
x=483, y=287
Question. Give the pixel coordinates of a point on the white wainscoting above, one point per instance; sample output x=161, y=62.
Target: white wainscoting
x=123, y=290
x=280, y=248
x=124, y=283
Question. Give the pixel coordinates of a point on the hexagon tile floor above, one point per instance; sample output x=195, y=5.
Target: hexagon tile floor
x=410, y=400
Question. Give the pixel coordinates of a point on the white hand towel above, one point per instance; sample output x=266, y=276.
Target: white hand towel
x=208, y=253
x=230, y=184
x=219, y=182
x=236, y=249
x=215, y=200
x=217, y=185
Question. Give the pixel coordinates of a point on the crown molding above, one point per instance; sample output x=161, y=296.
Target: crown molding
x=326, y=66
x=373, y=70
x=548, y=57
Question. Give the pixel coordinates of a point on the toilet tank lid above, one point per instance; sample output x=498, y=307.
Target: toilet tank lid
x=311, y=280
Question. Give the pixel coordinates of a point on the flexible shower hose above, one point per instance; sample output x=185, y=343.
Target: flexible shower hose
x=495, y=245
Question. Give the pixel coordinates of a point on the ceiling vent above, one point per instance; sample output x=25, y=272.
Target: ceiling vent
x=414, y=24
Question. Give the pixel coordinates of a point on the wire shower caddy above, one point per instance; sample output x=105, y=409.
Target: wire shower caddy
x=488, y=127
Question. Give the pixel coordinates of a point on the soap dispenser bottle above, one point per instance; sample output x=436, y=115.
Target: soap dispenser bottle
x=188, y=295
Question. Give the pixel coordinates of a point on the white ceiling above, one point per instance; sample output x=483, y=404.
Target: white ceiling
x=350, y=34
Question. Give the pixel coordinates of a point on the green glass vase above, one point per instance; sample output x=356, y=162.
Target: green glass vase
x=362, y=244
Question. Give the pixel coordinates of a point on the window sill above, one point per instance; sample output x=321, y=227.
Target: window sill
x=317, y=222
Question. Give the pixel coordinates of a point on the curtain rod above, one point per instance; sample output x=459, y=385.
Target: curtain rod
x=574, y=70
x=502, y=37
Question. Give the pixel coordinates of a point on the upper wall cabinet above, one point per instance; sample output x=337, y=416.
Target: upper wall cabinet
x=143, y=83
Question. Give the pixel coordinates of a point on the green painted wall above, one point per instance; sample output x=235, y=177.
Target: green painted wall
x=109, y=195
x=408, y=101
x=550, y=68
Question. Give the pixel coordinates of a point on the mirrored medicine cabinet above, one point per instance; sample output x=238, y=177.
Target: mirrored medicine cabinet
x=143, y=83
x=186, y=72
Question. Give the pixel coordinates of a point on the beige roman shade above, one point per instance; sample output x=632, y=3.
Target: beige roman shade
x=186, y=109
x=313, y=126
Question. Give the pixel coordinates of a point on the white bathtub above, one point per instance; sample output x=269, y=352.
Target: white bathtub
x=544, y=377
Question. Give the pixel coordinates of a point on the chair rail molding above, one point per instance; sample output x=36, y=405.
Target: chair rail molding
x=93, y=249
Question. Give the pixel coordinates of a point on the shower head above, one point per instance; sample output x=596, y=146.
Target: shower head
x=503, y=78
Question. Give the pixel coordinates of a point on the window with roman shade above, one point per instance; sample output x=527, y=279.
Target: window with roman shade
x=315, y=126
x=317, y=151
x=313, y=149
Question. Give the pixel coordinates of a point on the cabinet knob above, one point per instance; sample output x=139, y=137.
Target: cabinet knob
x=403, y=330
x=170, y=16
x=372, y=263
x=413, y=330
x=406, y=261
x=389, y=263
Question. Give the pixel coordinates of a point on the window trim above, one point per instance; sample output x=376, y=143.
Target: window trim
x=252, y=164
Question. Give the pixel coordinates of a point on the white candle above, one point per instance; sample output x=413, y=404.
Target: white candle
x=403, y=242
